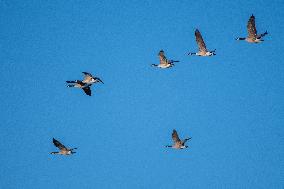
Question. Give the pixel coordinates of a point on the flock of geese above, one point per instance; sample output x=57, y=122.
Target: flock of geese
x=89, y=80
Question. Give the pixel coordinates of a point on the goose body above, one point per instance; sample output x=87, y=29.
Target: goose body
x=177, y=143
x=62, y=149
x=201, y=46
x=252, y=37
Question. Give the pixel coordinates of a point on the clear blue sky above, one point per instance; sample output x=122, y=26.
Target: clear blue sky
x=230, y=104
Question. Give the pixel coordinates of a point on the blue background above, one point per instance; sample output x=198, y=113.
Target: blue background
x=230, y=104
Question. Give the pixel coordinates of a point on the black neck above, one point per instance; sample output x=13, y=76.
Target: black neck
x=241, y=38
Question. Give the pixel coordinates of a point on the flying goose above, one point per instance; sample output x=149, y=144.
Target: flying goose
x=164, y=62
x=62, y=148
x=86, y=83
x=178, y=144
x=201, y=45
x=252, y=33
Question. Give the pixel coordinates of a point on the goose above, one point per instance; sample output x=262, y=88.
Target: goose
x=62, y=148
x=164, y=62
x=178, y=144
x=201, y=45
x=79, y=84
x=85, y=83
x=252, y=33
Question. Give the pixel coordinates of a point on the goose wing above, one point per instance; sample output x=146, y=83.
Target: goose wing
x=251, y=27
x=87, y=77
x=175, y=136
x=200, y=41
x=87, y=90
x=162, y=57
x=58, y=144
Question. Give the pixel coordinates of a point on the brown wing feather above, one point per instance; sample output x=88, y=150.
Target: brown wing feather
x=175, y=136
x=251, y=27
x=87, y=77
x=58, y=144
x=162, y=57
x=200, y=41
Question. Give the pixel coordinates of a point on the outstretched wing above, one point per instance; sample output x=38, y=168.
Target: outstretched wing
x=58, y=144
x=162, y=57
x=87, y=77
x=251, y=27
x=87, y=90
x=87, y=74
x=200, y=41
x=175, y=136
